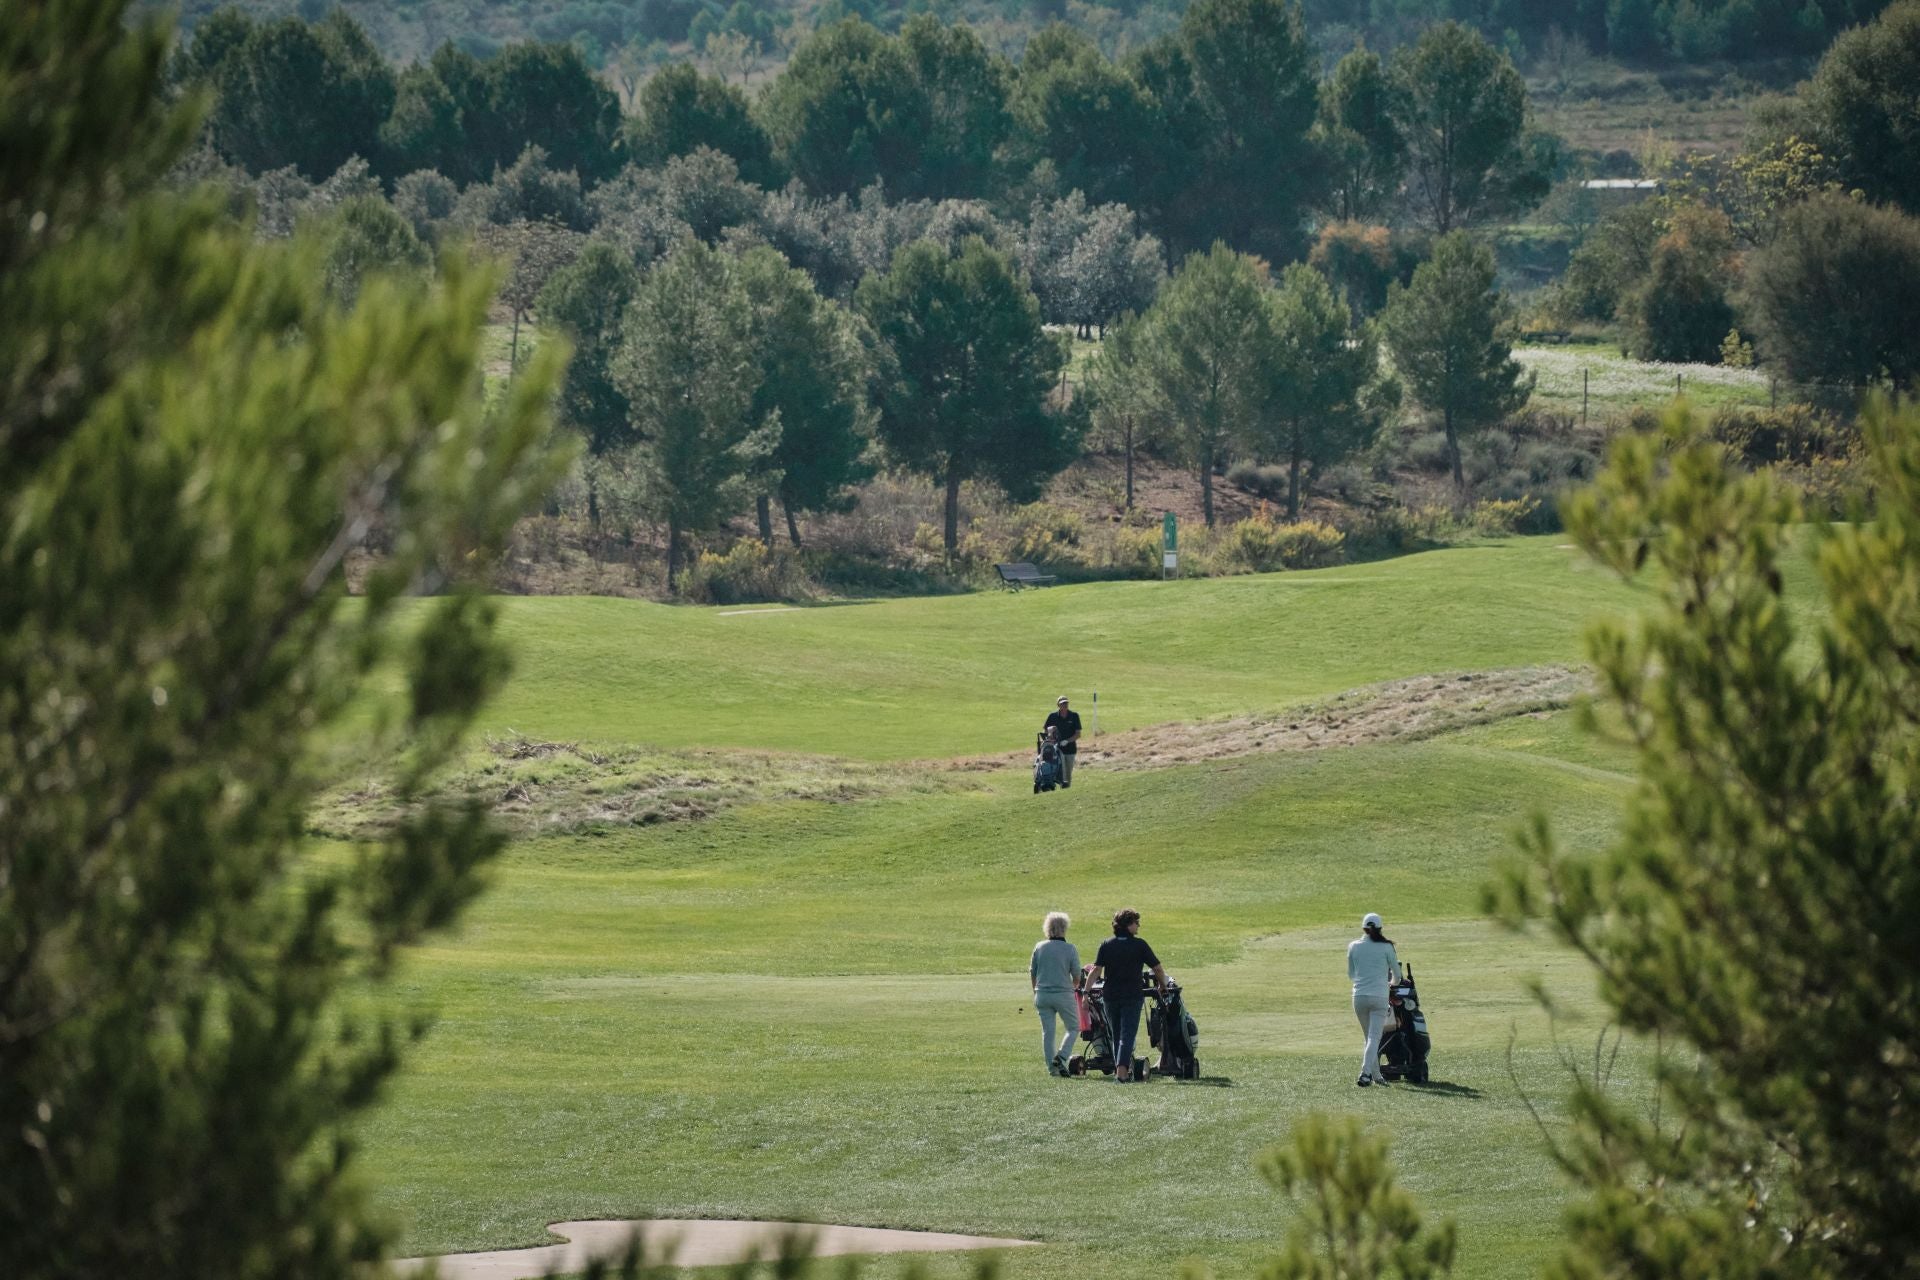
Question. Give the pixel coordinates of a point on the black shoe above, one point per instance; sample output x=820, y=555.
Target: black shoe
x=1364, y=1081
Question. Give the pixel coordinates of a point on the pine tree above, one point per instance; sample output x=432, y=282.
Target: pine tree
x=194, y=438
x=1317, y=411
x=686, y=367
x=1446, y=333
x=968, y=368
x=1757, y=918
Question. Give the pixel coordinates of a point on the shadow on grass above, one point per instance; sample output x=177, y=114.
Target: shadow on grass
x=1448, y=1088
x=1209, y=1082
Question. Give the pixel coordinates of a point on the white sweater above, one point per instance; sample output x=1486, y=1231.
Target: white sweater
x=1372, y=966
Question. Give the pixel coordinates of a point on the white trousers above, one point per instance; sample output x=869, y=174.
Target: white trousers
x=1372, y=1011
x=1061, y=1003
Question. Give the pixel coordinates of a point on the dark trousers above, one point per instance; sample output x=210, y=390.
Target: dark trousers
x=1123, y=1027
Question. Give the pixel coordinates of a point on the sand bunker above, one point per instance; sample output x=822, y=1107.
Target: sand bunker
x=690, y=1243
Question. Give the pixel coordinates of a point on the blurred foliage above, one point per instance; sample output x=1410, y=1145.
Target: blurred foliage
x=1755, y=921
x=196, y=432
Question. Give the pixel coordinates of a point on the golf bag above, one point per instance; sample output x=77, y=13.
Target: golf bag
x=1097, y=1054
x=1046, y=765
x=1172, y=1030
x=1405, y=1046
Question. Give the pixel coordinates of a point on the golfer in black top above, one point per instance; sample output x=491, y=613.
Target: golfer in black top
x=1068, y=724
x=1122, y=958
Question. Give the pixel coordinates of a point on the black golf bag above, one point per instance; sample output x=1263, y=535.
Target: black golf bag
x=1405, y=1046
x=1097, y=1054
x=1172, y=1030
x=1046, y=765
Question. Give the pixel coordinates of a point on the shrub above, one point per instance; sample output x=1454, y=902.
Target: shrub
x=1793, y=434
x=1041, y=533
x=1499, y=517
x=1550, y=464
x=1260, y=544
x=1264, y=481
x=1488, y=455
x=1735, y=351
x=1428, y=452
x=1134, y=552
x=1832, y=298
x=1348, y=481
x=746, y=572
x=1681, y=312
x=1396, y=530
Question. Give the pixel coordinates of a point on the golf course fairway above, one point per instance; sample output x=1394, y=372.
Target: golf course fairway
x=810, y=1009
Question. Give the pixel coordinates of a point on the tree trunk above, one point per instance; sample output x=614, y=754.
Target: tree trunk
x=673, y=556
x=513, y=348
x=793, y=530
x=593, y=502
x=1293, y=484
x=765, y=505
x=1128, y=420
x=952, y=534
x=1453, y=452
x=1206, y=487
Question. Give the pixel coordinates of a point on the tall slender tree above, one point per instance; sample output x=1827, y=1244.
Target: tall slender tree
x=1317, y=411
x=969, y=368
x=1360, y=135
x=586, y=300
x=1464, y=117
x=1208, y=350
x=686, y=367
x=810, y=371
x=1447, y=333
x=1125, y=405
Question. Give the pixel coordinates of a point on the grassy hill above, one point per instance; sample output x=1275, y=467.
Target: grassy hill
x=947, y=676
x=814, y=1009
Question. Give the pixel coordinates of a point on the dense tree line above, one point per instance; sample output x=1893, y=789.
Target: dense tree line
x=626, y=40
x=1223, y=129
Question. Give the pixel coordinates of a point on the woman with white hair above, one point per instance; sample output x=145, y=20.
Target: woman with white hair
x=1373, y=966
x=1055, y=972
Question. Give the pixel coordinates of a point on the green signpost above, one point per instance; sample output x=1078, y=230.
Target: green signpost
x=1170, y=548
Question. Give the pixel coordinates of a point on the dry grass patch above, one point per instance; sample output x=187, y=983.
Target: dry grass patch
x=1396, y=711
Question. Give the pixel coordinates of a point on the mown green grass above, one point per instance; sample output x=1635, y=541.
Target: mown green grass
x=818, y=1011
x=902, y=679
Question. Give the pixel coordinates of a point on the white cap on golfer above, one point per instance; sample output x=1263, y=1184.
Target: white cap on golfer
x=1060, y=701
x=1371, y=920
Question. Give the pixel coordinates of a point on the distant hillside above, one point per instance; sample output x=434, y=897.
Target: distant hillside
x=1556, y=42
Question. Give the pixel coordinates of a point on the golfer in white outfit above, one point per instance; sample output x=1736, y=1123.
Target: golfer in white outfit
x=1374, y=968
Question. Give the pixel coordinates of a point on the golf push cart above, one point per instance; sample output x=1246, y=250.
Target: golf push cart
x=1170, y=1029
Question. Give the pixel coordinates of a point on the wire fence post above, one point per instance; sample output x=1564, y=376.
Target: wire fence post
x=1678, y=389
x=1583, y=398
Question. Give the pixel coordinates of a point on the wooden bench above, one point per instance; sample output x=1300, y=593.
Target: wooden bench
x=1015, y=576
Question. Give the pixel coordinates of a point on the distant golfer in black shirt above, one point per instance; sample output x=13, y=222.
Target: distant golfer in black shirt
x=1068, y=724
x=1122, y=958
